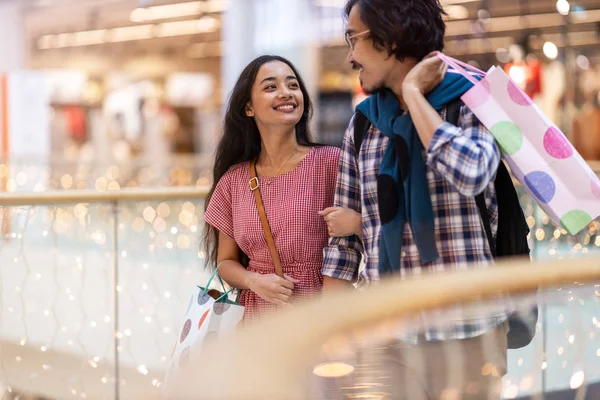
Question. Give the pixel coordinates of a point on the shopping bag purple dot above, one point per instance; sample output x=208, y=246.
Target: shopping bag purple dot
x=186, y=330
x=203, y=299
x=541, y=185
x=220, y=308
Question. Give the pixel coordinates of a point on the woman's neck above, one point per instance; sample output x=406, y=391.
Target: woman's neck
x=277, y=147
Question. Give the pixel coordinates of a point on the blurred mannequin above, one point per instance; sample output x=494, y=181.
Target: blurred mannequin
x=586, y=127
x=524, y=71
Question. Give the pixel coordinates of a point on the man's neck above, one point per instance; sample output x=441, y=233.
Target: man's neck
x=397, y=79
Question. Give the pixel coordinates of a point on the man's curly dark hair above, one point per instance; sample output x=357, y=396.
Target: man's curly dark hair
x=404, y=28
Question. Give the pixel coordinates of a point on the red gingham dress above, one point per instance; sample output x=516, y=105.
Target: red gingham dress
x=292, y=202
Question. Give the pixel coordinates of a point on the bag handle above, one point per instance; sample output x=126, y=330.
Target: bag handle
x=226, y=292
x=458, y=67
x=254, y=187
x=215, y=273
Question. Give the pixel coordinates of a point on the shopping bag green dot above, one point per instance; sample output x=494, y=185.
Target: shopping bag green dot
x=508, y=136
x=575, y=220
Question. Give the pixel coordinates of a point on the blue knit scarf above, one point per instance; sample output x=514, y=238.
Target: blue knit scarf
x=402, y=182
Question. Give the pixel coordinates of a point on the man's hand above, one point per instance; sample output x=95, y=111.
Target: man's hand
x=426, y=75
x=342, y=221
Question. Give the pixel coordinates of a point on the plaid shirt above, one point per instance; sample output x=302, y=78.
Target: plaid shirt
x=461, y=163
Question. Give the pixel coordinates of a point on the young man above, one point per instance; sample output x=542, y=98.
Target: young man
x=413, y=179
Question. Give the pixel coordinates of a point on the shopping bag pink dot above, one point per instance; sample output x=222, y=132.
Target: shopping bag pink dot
x=575, y=220
x=517, y=95
x=556, y=144
x=478, y=95
x=541, y=185
x=509, y=136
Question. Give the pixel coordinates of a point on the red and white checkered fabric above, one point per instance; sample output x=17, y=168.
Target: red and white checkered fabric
x=292, y=202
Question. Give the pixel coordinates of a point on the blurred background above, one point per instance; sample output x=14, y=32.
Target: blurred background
x=103, y=82
x=112, y=94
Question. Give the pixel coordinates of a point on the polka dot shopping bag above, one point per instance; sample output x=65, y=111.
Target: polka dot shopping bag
x=537, y=152
x=210, y=314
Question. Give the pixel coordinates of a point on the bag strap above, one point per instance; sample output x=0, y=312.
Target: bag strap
x=254, y=186
x=483, y=213
x=361, y=127
x=452, y=116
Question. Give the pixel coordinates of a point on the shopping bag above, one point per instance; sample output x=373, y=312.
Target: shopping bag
x=210, y=314
x=538, y=153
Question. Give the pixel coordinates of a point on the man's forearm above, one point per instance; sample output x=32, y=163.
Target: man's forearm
x=426, y=118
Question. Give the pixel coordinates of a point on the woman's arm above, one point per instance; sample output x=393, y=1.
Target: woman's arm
x=269, y=287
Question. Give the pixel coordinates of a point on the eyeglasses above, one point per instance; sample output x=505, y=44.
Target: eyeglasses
x=350, y=39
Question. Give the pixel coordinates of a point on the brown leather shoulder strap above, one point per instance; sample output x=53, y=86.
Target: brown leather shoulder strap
x=254, y=186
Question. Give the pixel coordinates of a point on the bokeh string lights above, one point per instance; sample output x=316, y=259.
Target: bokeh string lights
x=56, y=272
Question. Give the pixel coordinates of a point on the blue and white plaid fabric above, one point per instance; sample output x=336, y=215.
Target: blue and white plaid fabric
x=461, y=163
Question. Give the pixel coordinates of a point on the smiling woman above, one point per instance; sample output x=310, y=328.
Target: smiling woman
x=267, y=126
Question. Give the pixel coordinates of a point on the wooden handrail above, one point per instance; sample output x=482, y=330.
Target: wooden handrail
x=269, y=359
x=109, y=196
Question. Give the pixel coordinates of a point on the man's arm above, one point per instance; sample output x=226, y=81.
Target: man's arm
x=467, y=155
x=341, y=258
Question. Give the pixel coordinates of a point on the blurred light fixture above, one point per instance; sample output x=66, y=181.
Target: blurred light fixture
x=577, y=380
x=457, y=1
x=205, y=49
x=583, y=62
x=550, y=50
x=330, y=3
x=456, y=12
x=517, y=74
x=177, y=10
x=484, y=16
x=333, y=370
x=129, y=33
x=502, y=55
x=563, y=7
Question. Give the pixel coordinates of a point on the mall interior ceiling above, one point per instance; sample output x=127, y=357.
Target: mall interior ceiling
x=476, y=29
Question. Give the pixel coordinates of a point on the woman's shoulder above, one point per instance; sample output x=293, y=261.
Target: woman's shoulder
x=329, y=153
x=237, y=172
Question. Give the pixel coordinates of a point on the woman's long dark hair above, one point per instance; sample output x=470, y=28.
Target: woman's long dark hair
x=241, y=139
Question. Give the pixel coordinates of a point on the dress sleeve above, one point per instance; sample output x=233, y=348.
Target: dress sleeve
x=219, y=211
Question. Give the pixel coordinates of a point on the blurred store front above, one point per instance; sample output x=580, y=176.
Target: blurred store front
x=127, y=78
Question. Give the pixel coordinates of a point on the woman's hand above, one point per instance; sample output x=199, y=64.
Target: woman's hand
x=342, y=221
x=272, y=288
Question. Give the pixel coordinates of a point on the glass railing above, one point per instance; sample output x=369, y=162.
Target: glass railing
x=373, y=344
x=95, y=283
x=93, y=286
x=48, y=174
